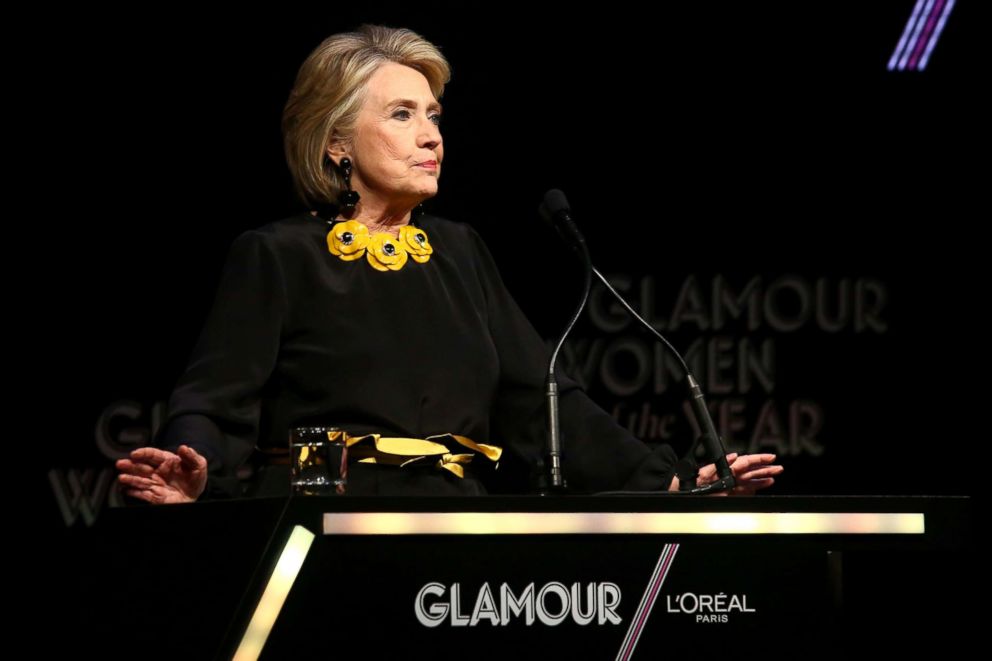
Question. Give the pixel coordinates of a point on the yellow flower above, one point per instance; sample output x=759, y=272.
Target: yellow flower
x=416, y=243
x=348, y=240
x=386, y=253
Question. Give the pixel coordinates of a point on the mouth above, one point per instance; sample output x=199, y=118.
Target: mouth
x=428, y=165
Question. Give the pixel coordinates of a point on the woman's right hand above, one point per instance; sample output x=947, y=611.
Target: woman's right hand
x=160, y=477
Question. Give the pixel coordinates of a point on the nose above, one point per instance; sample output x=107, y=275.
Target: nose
x=430, y=135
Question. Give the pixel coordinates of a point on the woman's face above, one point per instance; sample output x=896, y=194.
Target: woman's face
x=396, y=150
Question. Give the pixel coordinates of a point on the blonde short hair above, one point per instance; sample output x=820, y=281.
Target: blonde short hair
x=328, y=93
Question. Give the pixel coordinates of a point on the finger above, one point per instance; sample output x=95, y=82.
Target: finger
x=162, y=494
x=132, y=480
x=128, y=466
x=153, y=456
x=706, y=475
x=139, y=482
x=128, y=479
x=751, y=461
x=141, y=494
x=759, y=473
x=709, y=472
x=754, y=485
x=156, y=496
x=166, y=470
x=192, y=460
x=731, y=458
x=124, y=464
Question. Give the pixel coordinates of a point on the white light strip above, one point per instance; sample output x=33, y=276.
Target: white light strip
x=621, y=523
x=274, y=596
x=922, y=64
x=910, y=24
x=916, y=35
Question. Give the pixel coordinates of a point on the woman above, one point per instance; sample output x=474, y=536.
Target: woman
x=391, y=324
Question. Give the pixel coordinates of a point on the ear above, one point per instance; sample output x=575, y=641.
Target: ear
x=336, y=149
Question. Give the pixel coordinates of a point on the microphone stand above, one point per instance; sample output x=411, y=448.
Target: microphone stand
x=712, y=443
x=558, y=483
x=555, y=210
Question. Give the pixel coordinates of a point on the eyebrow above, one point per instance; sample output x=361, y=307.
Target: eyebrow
x=410, y=102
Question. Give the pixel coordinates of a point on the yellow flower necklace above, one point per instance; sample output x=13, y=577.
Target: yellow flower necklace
x=351, y=240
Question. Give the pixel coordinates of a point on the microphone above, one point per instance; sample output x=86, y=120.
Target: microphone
x=555, y=210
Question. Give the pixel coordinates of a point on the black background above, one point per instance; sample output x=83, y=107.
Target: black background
x=741, y=140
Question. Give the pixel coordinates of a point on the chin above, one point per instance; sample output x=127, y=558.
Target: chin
x=430, y=192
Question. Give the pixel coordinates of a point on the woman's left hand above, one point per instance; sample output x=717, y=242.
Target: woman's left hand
x=751, y=472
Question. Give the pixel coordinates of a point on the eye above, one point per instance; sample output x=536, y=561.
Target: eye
x=405, y=114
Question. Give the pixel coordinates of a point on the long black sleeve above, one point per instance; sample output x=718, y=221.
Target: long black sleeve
x=216, y=405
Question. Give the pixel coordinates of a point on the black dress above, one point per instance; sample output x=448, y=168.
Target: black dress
x=297, y=336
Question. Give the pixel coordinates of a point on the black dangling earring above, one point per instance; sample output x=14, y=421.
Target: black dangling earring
x=348, y=198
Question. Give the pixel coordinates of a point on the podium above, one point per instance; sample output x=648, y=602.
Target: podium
x=528, y=577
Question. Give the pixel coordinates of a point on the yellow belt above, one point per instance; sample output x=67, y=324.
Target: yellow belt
x=400, y=451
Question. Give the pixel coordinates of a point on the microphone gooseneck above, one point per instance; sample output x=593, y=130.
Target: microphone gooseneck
x=711, y=441
x=554, y=209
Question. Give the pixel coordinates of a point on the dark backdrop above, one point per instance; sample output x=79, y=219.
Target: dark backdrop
x=763, y=146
